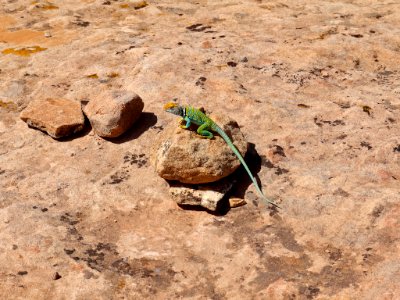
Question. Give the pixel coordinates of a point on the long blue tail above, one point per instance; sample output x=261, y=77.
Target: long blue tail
x=236, y=151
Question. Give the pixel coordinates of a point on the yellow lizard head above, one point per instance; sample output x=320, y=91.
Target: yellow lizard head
x=173, y=108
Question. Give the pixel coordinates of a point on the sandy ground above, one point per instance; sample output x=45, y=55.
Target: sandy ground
x=315, y=88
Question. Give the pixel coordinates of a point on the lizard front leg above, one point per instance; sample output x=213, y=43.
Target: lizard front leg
x=188, y=122
x=203, y=131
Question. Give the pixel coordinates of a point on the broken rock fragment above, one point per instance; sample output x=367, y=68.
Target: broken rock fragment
x=111, y=113
x=57, y=117
x=206, y=195
x=184, y=156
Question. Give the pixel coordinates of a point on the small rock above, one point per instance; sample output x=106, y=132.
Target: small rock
x=57, y=117
x=56, y=276
x=47, y=34
x=113, y=112
x=207, y=195
x=236, y=202
x=184, y=156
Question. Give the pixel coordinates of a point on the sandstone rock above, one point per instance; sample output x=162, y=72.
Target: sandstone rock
x=184, y=156
x=207, y=195
x=113, y=112
x=57, y=117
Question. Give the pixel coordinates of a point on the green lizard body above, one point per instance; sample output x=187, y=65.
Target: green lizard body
x=206, y=125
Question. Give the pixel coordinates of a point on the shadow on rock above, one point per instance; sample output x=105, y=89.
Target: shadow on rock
x=222, y=207
x=243, y=180
x=85, y=131
x=146, y=120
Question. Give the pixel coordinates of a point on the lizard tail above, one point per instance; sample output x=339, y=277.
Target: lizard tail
x=236, y=151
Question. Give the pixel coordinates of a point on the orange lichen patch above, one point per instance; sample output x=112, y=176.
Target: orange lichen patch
x=44, y=6
x=26, y=51
x=10, y=106
x=94, y=76
x=49, y=6
x=124, y=5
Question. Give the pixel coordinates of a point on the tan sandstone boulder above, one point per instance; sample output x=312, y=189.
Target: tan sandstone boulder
x=111, y=113
x=184, y=156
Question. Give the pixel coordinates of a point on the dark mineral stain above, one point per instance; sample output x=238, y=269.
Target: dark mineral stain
x=118, y=177
x=287, y=238
x=67, y=218
x=341, y=192
x=391, y=120
x=336, y=122
x=377, y=211
x=303, y=105
x=319, y=122
x=367, y=109
x=200, y=81
x=280, y=171
x=265, y=162
x=278, y=150
x=81, y=23
x=198, y=27
x=310, y=292
x=22, y=273
x=366, y=145
x=138, y=159
x=231, y=64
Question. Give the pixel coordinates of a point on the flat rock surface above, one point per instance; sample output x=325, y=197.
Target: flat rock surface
x=182, y=155
x=313, y=84
x=57, y=117
x=112, y=112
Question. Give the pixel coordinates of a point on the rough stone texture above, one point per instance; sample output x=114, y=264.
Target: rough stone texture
x=57, y=117
x=113, y=112
x=184, y=156
x=96, y=212
x=208, y=196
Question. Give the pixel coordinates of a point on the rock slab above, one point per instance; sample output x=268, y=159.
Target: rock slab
x=113, y=112
x=184, y=156
x=57, y=117
x=208, y=196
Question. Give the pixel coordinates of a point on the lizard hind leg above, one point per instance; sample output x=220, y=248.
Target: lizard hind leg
x=203, y=132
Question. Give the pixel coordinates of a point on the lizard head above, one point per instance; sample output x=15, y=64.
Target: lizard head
x=174, y=108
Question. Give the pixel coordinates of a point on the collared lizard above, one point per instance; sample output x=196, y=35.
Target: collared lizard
x=206, y=125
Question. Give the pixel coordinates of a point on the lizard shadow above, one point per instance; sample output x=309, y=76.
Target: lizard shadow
x=145, y=121
x=254, y=162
